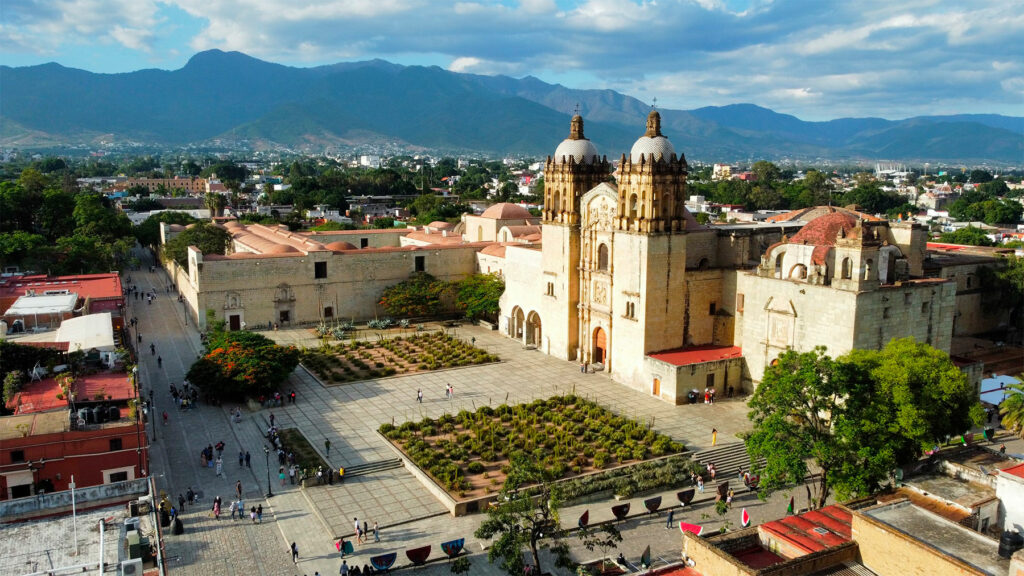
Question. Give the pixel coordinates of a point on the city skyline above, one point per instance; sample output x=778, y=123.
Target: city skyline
x=814, y=60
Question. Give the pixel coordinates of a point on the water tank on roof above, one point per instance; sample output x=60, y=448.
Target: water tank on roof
x=85, y=414
x=100, y=413
x=113, y=414
x=1010, y=542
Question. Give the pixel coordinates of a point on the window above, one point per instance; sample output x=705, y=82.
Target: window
x=630, y=310
x=17, y=456
x=869, y=265
x=551, y=289
x=364, y=242
x=711, y=309
x=885, y=312
x=906, y=298
x=421, y=263
x=711, y=380
x=115, y=444
x=924, y=307
x=778, y=265
x=632, y=206
x=798, y=272
x=119, y=477
x=739, y=303
x=328, y=311
x=602, y=257
x=320, y=270
x=969, y=281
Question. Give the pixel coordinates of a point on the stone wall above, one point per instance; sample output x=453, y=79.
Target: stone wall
x=889, y=552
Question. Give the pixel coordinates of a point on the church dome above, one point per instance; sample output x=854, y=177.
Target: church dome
x=576, y=146
x=652, y=146
x=823, y=230
x=340, y=246
x=506, y=211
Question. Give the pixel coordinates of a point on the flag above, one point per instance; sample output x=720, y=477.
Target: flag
x=645, y=558
x=790, y=509
x=745, y=518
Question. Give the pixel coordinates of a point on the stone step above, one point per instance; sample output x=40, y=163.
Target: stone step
x=373, y=467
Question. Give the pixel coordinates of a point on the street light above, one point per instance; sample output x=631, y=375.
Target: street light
x=266, y=453
x=152, y=412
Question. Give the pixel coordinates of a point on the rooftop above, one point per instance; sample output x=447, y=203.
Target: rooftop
x=93, y=286
x=30, y=304
x=48, y=544
x=948, y=537
x=111, y=385
x=697, y=355
x=1017, y=471
x=812, y=531
x=38, y=396
x=35, y=424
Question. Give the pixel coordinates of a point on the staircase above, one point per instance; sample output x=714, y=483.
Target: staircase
x=373, y=467
x=729, y=460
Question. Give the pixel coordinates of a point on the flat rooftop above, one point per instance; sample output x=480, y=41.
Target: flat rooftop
x=12, y=427
x=966, y=494
x=697, y=355
x=49, y=543
x=948, y=537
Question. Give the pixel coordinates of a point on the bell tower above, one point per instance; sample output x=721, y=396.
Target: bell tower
x=574, y=169
x=652, y=184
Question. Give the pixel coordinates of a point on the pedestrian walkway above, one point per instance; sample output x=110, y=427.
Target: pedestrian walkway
x=349, y=416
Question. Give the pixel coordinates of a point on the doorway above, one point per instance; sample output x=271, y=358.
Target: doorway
x=600, y=346
x=235, y=322
x=656, y=389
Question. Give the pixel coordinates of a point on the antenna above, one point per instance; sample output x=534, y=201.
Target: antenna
x=654, y=103
x=576, y=111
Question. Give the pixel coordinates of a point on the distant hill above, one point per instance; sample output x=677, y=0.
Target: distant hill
x=229, y=94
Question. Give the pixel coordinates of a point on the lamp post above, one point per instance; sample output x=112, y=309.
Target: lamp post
x=266, y=454
x=152, y=412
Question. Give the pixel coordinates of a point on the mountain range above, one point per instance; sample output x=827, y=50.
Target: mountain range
x=229, y=95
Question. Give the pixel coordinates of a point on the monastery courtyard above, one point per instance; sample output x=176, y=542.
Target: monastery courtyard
x=348, y=415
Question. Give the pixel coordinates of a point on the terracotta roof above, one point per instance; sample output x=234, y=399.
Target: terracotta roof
x=506, y=211
x=38, y=396
x=339, y=246
x=822, y=231
x=523, y=231
x=496, y=250
x=60, y=346
x=113, y=384
x=812, y=531
x=94, y=286
x=441, y=225
x=1017, y=470
x=697, y=355
x=435, y=238
x=815, y=212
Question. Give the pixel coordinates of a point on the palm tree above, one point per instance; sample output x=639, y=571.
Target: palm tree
x=1012, y=408
x=216, y=203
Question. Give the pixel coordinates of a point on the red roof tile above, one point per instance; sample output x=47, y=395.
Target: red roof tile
x=697, y=355
x=802, y=532
x=39, y=396
x=113, y=384
x=1017, y=470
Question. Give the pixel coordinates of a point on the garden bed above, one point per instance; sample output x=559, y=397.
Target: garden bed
x=468, y=453
x=306, y=458
x=364, y=359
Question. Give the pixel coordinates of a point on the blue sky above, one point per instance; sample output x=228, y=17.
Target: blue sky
x=814, y=59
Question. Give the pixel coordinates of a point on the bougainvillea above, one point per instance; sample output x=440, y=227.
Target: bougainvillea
x=240, y=364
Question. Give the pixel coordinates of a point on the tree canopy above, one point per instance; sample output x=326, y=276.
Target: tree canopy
x=148, y=232
x=209, y=239
x=856, y=418
x=420, y=295
x=241, y=364
x=968, y=236
x=478, y=295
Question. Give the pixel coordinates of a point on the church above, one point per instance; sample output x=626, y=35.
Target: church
x=626, y=281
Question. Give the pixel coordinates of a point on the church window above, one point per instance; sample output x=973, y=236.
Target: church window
x=602, y=257
x=320, y=270
x=630, y=310
x=798, y=272
x=869, y=264
x=885, y=312
x=555, y=203
x=739, y=303
x=847, y=268
x=632, y=206
x=479, y=233
x=551, y=289
x=924, y=307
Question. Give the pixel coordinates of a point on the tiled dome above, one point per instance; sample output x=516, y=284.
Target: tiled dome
x=652, y=145
x=576, y=146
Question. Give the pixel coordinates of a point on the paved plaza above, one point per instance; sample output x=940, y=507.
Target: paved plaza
x=349, y=415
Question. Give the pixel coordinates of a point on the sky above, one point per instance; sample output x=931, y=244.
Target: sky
x=815, y=59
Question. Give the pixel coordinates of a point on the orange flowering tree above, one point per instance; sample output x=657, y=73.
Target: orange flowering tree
x=241, y=364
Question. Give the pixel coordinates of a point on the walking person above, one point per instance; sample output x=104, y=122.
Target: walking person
x=327, y=446
x=220, y=467
x=344, y=568
x=419, y=396
x=714, y=436
x=241, y=458
x=238, y=488
x=700, y=484
x=181, y=502
x=376, y=532
x=359, y=538
x=366, y=530
x=668, y=523
x=259, y=514
x=295, y=553
x=234, y=508
x=216, y=508
x=282, y=475
x=252, y=514
x=190, y=496
x=248, y=461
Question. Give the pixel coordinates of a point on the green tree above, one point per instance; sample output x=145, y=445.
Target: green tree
x=148, y=232
x=1011, y=408
x=980, y=176
x=766, y=172
x=54, y=216
x=525, y=519
x=479, y=295
x=967, y=236
x=19, y=247
x=209, y=239
x=215, y=203
x=420, y=295
x=857, y=417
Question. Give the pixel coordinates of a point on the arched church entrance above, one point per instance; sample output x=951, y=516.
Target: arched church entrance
x=518, y=323
x=600, y=354
x=533, y=329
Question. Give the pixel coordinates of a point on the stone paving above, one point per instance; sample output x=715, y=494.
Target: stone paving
x=349, y=415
